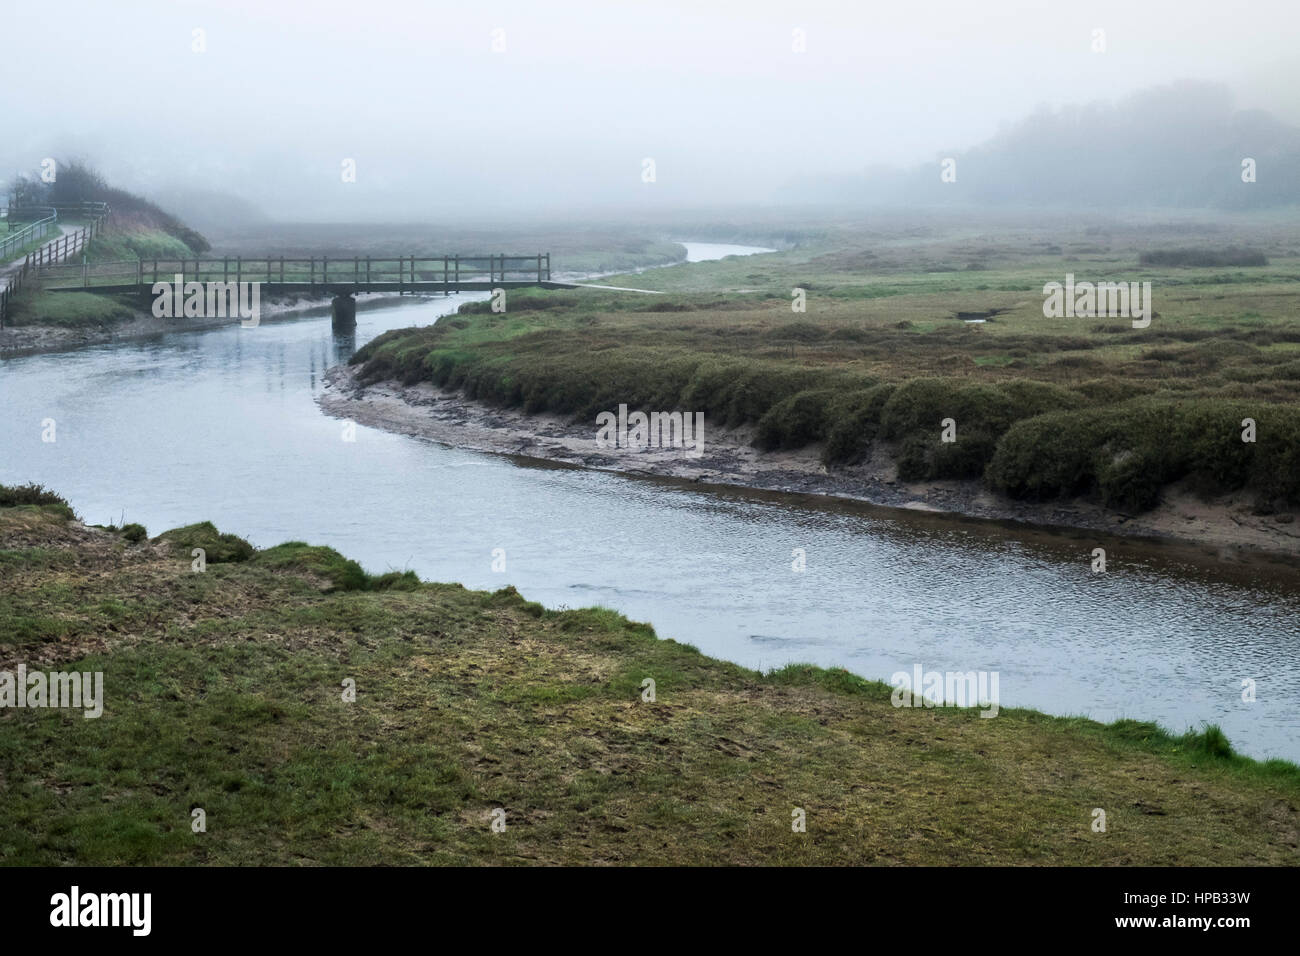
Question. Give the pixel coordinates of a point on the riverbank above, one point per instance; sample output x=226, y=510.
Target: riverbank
x=1224, y=528
x=119, y=322
x=224, y=692
x=867, y=366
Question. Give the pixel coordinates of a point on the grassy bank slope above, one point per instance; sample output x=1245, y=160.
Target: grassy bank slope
x=1043, y=407
x=223, y=692
x=137, y=229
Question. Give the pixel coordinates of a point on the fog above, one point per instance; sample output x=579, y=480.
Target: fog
x=577, y=96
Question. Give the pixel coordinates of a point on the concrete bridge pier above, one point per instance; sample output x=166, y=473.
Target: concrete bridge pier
x=345, y=312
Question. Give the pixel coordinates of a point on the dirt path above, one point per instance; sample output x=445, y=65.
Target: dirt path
x=8, y=269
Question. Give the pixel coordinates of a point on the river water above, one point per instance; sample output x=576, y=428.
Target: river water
x=223, y=425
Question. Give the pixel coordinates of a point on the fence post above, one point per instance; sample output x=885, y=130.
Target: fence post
x=367, y=273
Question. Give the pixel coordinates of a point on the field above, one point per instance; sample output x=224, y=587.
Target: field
x=223, y=692
x=574, y=247
x=884, y=351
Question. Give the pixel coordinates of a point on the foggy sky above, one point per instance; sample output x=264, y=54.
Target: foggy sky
x=712, y=91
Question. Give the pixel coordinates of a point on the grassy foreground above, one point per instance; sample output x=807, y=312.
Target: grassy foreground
x=224, y=692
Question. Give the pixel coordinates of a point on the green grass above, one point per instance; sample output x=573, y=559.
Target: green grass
x=18, y=253
x=881, y=357
x=224, y=691
x=139, y=243
x=217, y=547
x=33, y=306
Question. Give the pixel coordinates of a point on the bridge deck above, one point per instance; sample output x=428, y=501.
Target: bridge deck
x=339, y=288
x=425, y=274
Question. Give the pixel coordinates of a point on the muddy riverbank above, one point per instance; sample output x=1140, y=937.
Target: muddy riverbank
x=1226, y=525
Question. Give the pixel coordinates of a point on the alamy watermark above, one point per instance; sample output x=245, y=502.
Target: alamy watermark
x=130, y=910
x=1130, y=300
x=639, y=430
x=74, y=689
x=946, y=689
x=208, y=300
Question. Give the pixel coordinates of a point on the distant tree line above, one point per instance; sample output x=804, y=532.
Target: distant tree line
x=1177, y=146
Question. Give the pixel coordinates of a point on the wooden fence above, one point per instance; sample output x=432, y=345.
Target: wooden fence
x=56, y=251
x=32, y=232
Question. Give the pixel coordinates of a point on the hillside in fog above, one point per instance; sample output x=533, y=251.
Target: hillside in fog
x=1181, y=145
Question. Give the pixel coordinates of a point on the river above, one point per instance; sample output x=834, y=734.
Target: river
x=223, y=425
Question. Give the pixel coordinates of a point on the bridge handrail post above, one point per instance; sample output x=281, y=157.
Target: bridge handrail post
x=356, y=273
x=282, y=272
x=367, y=273
x=445, y=291
x=458, y=272
x=311, y=279
x=325, y=272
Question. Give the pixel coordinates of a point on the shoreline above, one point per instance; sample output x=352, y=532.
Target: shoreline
x=546, y=698
x=1226, y=528
x=37, y=339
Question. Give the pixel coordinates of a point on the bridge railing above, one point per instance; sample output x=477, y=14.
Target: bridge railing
x=56, y=251
x=81, y=210
x=360, y=273
x=33, y=232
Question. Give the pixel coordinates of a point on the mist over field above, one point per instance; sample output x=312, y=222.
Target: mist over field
x=526, y=110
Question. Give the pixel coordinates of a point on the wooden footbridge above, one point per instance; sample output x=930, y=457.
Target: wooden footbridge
x=342, y=277
x=324, y=275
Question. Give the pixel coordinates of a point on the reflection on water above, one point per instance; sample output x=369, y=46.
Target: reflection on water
x=345, y=345
x=705, y=251
x=222, y=425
